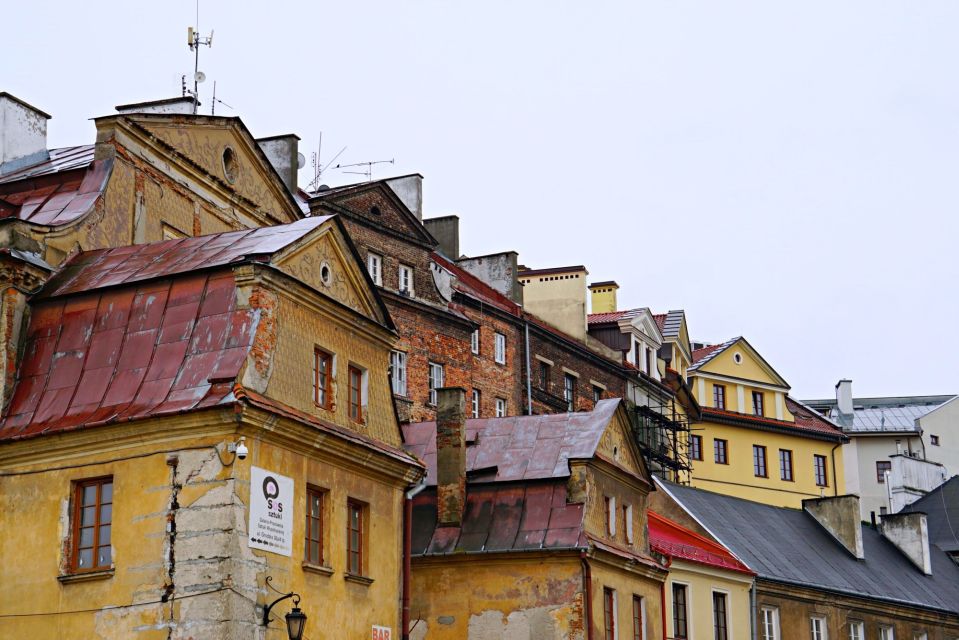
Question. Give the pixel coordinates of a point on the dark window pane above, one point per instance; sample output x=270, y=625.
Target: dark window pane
x=105, y=534
x=106, y=513
x=103, y=556
x=85, y=558
x=86, y=537
x=87, y=516
x=106, y=492
x=89, y=494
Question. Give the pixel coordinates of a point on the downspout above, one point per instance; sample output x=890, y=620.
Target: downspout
x=587, y=595
x=752, y=610
x=529, y=375
x=662, y=600
x=835, y=478
x=407, y=550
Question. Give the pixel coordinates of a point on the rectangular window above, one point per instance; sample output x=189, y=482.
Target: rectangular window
x=356, y=394
x=857, y=631
x=719, y=451
x=719, y=396
x=398, y=372
x=758, y=403
x=436, y=378
x=649, y=361
x=475, y=408
x=354, y=538
x=934, y=440
x=628, y=522
x=322, y=379
x=569, y=391
x=637, y=618
x=500, y=408
x=375, y=265
x=406, y=280
x=785, y=464
x=92, y=519
x=920, y=635
x=759, y=461
x=474, y=341
x=609, y=506
x=882, y=466
x=544, y=370
x=720, y=623
x=597, y=394
x=637, y=355
x=887, y=633
x=499, y=351
x=770, y=624
x=609, y=612
x=313, y=537
x=696, y=447
x=680, y=627
x=817, y=627
x=819, y=469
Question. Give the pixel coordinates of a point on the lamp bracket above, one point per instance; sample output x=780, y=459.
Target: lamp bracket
x=284, y=596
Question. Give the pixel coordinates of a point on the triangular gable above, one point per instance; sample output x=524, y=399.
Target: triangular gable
x=204, y=140
x=643, y=320
x=618, y=445
x=326, y=260
x=376, y=204
x=749, y=366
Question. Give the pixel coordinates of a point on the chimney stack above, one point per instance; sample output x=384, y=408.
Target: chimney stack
x=603, y=296
x=446, y=230
x=840, y=517
x=450, y=455
x=910, y=533
x=409, y=189
x=283, y=153
x=844, y=397
x=23, y=134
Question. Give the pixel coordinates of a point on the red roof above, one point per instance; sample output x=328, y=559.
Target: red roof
x=805, y=422
x=701, y=354
x=609, y=316
x=810, y=420
x=473, y=286
x=677, y=542
x=660, y=319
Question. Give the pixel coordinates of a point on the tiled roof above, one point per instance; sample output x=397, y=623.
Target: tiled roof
x=704, y=355
x=660, y=319
x=520, y=447
x=611, y=316
x=511, y=517
x=807, y=422
x=789, y=546
x=138, y=263
x=470, y=285
x=676, y=541
x=807, y=418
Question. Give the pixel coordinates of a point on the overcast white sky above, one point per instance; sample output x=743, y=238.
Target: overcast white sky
x=786, y=171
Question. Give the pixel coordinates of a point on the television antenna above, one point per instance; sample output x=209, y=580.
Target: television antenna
x=319, y=167
x=368, y=172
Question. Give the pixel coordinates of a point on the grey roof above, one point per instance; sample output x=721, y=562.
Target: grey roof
x=788, y=545
x=62, y=159
x=672, y=324
x=941, y=506
x=877, y=415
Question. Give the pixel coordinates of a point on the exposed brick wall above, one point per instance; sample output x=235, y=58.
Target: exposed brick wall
x=494, y=380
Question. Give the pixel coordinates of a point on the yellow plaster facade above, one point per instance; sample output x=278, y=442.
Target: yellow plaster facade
x=701, y=583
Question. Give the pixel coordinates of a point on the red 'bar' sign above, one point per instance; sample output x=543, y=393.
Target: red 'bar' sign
x=382, y=633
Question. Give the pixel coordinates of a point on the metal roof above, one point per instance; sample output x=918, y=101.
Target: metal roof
x=63, y=159
x=941, y=506
x=677, y=542
x=520, y=447
x=789, y=545
x=672, y=323
x=894, y=414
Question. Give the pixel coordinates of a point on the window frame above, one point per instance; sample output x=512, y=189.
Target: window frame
x=355, y=410
x=719, y=396
x=398, y=358
x=934, y=440
x=720, y=617
x=77, y=488
x=760, y=461
x=432, y=382
x=680, y=587
x=637, y=617
x=628, y=523
x=475, y=341
x=819, y=464
x=355, y=506
x=408, y=271
x=695, y=447
x=724, y=449
x=609, y=612
x=853, y=626
x=545, y=371
x=822, y=633
x=597, y=394
x=569, y=391
x=501, y=406
x=499, y=347
x=769, y=624
x=881, y=467
x=782, y=468
x=887, y=632
x=609, y=510
x=374, y=266
x=759, y=408
x=323, y=356
x=319, y=493
x=476, y=397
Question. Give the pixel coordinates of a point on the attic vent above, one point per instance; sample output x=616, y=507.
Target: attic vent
x=326, y=275
x=375, y=210
x=738, y=358
x=229, y=165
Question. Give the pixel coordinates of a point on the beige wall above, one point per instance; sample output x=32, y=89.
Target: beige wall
x=701, y=582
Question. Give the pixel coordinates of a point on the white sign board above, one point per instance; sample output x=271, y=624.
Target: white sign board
x=382, y=633
x=271, y=512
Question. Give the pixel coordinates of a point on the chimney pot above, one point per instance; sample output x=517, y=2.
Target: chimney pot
x=450, y=455
x=23, y=134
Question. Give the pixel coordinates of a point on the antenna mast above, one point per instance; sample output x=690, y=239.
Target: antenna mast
x=368, y=172
x=195, y=41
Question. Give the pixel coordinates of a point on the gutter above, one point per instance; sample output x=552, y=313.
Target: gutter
x=407, y=551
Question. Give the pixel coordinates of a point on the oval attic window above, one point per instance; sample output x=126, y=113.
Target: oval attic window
x=325, y=274
x=738, y=358
x=229, y=165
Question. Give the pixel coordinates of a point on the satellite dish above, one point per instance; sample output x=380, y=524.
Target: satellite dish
x=300, y=161
x=199, y=76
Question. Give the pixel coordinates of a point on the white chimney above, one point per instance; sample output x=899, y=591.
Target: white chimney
x=23, y=134
x=844, y=397
x=284, y=154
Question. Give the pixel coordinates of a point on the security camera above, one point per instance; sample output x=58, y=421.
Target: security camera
x=239, y=448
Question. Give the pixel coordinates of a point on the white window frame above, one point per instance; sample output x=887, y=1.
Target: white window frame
x=435, y=381
x=475, y=403
x=475, y=341
x=398, y=372
x=887, y=632
x=499, y=348
x=374, y=264
x=405, y=280
x=857, y=630
x=770, y=624
x=500, y=408
x=817, y=628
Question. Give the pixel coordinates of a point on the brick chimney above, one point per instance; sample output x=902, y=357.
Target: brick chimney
x=603, y=296
x=844, y=397
x=910, y=533
x=23, y=134
x=839, y=516
x=450, y=455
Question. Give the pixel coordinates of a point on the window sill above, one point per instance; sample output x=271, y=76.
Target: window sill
x=319, y=569
x=86, y=576
x=363, y=580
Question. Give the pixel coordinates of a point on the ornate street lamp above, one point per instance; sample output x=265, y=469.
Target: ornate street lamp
x=295, y=619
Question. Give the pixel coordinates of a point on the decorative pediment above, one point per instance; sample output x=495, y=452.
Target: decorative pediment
x=643, y=322
x=738, y=359
x=618, y=445
x=377, y=205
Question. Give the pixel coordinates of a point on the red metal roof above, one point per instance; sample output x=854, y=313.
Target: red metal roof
x=805, y=422
x=520, y=447
x=471, y=285
x=810, y=420
x=677, y=542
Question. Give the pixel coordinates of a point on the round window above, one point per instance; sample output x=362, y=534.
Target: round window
x=229, y=165
x=326, y=274
x=738, y=358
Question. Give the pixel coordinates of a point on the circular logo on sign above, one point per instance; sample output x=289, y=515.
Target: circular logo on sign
x=271, y=488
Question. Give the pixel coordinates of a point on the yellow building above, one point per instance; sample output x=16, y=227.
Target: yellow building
x=198, y=421
x=532, y=527
x=754, y=441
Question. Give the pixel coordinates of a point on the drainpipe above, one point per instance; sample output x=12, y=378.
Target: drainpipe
x=407, y=550
x=752, y=610
x=587, y=595
x=835, y=478
x=662, y=598
x=529, y=375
